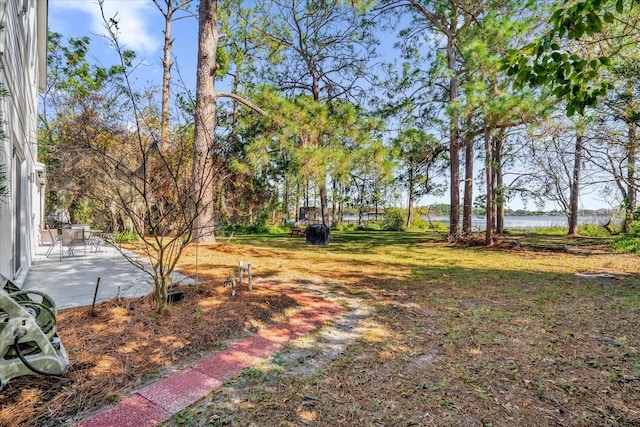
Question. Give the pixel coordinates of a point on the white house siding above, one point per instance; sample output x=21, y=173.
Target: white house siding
x=22, y=73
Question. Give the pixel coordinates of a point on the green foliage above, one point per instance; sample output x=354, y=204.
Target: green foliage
x=368, y=226
x=592, y=230
x=633, y=227
x=127, y=236
x=82, y=213
x=70, y=71
x=222, y=62
x=556, y=230
x=257, y=225
x=252, y=373
x=184, y=417
x=547, y=61
x=345, y=227
x=628, y=244
x=421, y=224
x=394, y=219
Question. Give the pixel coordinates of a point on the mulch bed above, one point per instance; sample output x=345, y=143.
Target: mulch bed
x=123, y=346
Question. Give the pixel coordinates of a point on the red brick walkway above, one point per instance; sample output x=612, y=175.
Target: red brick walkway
x=157, y=402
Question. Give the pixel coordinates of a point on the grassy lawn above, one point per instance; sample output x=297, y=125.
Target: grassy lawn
x=541, y=330
x=537, y=330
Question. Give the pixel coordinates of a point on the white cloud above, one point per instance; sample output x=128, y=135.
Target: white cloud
x=135, y=18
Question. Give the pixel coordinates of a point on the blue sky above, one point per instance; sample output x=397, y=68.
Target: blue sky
x=141, y=29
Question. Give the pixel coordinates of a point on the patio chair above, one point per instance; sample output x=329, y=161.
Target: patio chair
x=71, y=239
x=55, y=240
x=94, y=238
x=111, y=237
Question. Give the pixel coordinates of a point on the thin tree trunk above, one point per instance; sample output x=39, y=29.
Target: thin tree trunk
x=631, y=169
x=341, y=206
x=411, y=198
x=575, y=185
x=489, y=178
x=205, y=122
x=285, y=198
x=498, y=183
x=160, y=294
x=467, y=210
x=297, y=204
x=334, y=201
x=323, y=203
x=166, y=78
x=454, y=146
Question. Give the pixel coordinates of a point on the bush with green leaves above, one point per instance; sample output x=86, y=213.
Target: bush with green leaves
x=394, y=220
x=627, y=244
x=82, y=213
x=592, y=230
x=345, y=227
x=127, y=236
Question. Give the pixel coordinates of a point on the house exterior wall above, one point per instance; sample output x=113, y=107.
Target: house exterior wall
x=22, y=73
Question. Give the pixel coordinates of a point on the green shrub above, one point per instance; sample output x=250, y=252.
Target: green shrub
x=439, y=226
x=345, y=227
x=553, y=230
x=592, y=230
x=127, y=236
x=421, y=224
x=394, y=220
x=627, y=244
x=82, y=213
x=274, y=229
x=633, y=228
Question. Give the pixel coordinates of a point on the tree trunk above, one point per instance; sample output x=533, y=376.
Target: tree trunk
x=324, y=208
x=166, y=78
x=205, y=122
x=575, y=185
x=411, y=198
x=160, y=294
x=489, y=178
x=498, y=183
x=297, y=204
x=334, y=201
x=631, y=169
x=341, y=206
x=454, y=146
x=467, y=210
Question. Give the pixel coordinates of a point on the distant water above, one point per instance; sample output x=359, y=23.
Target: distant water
x=526, y=222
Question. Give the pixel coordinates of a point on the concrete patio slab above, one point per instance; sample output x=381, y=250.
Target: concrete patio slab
x=71, y=280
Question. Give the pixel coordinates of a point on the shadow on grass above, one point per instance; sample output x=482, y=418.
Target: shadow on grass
x=344, y=241
x=467, y=335
x=422, y=262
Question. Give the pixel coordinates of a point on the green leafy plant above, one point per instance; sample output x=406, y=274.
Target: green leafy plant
x=394, y=220
x=127, y=236
x=627, y=245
